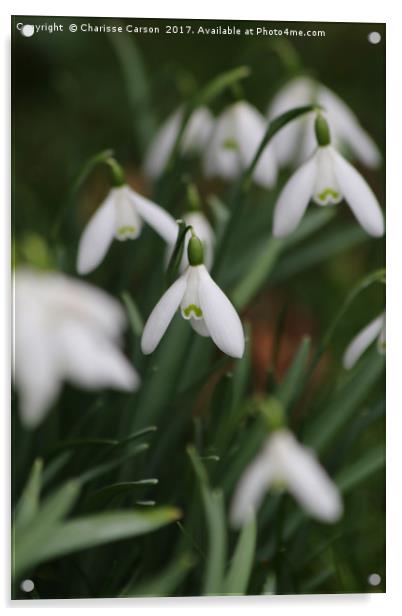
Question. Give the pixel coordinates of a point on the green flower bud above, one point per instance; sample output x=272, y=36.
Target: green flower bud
x=195, y=251
x=322, y=131
x=273, y=413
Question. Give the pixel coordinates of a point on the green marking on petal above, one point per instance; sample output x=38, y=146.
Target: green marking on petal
x=230, y=144
x=126, y=230
x=328, y=192
x=381, y=345
x=193, y=308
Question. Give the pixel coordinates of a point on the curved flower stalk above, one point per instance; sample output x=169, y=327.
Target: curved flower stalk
x=375, y=330
x=202, y=303
x=195, y=137
x=285, y=462
x=120, y=216
x=65, y=330
x=238, y=132
x=295, y=143
x=326, y=178
x=203, y=230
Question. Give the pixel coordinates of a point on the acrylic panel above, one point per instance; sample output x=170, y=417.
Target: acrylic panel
x=199, y=307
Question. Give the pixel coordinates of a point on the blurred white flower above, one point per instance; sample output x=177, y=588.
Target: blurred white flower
x=238, y=132
x=203, y=304
x=294, y=143
x=194, y=139
x=120, y=216
x=375, y=330
x=285, y=462
x=64, y=330
x=204, y=231
x=327, y=178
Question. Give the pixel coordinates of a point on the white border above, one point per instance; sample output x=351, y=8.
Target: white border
x=302, y=10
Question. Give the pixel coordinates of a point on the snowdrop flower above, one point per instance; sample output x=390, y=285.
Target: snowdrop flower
x=295, y=142
x=373, y=331
x=194, y=139
x=65, y=330
x=238, y=132
x=326, y=178
x=284, y=461
x=202, y=303
x=203, y=230
x=120, y=216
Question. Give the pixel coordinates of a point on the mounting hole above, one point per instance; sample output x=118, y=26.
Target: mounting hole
x=27, y=585
x=374, y=38
x=374, y=579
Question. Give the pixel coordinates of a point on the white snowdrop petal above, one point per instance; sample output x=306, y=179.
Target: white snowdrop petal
x=35, y=364
x=161, y=146
x=91, y=361
x=359, y=196
x=306, y=479
x=251, y=489
x=222, y=157
x=294, y=199
x=362, y=341
x=348, y=129
x=155, y=216
x=198, y=130
x=128, y=223
x=162, y=314
x=221, y=318
x=97, y=236
x=83, y=301
x=199, y=326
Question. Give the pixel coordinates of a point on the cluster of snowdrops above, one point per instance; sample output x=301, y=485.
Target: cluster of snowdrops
x=69, y=330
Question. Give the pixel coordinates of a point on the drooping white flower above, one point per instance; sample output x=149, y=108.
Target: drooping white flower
x=202, y=303
x=194, y=139
x=238, y=132
x=326, y=178
x=286, y=462
x=375, y=330
x=64, y=330
x=120, y=216
x=294, y=143
x=203, y=230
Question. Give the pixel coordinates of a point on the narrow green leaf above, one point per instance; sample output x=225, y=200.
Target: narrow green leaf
x=362, y=469
x=220, y=83
x=93, y=530
x=344, y=402
x=274, y=127
x=102, y=469
x=29, y=540
x=106, y=493
x=215, y=517
x=177, y=254
x=134, y=315
x=264, y=264
x=291, y=384
x=137, y=87
x=166, y=582
x=320, y=248
x=238, y=576
x=29, y=502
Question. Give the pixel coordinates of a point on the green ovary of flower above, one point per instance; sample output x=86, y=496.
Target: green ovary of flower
x=230, y=144
x=122, y=231
x=193, y=308
x=328, y=192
